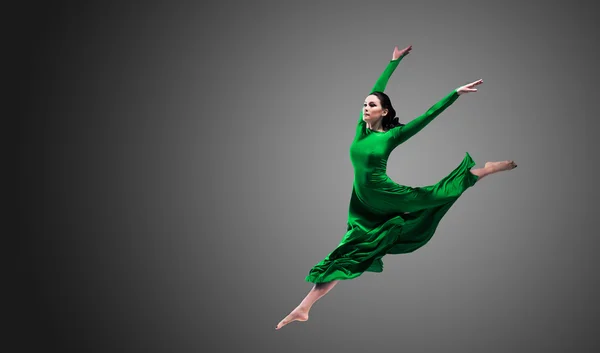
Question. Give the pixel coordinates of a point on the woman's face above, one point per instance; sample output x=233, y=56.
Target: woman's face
x=372, y=110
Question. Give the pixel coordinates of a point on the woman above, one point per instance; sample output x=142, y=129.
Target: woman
x=385, y=217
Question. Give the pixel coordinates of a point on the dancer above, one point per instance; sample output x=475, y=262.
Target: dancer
x=385, y=217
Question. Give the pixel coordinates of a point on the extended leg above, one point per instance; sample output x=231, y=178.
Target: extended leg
x=394, y=198
x=493, y=167
x=301, y=311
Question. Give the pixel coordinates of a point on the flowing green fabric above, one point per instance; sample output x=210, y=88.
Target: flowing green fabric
x=385, y=217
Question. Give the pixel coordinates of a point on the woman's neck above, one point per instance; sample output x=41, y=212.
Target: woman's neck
x=375, y=126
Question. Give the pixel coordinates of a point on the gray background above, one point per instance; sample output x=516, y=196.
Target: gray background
x=183, y=167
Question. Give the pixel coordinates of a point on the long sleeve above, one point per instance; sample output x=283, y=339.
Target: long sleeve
x=383, y=79
x=387, y=73
x=402, y=133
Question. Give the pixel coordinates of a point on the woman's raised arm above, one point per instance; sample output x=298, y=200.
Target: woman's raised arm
x=383, y=79
x=397, y=56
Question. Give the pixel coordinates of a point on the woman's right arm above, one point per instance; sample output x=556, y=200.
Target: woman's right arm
x=389, y=70
x=383, y=79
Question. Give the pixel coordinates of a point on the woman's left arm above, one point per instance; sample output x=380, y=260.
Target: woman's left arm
x=402, y=133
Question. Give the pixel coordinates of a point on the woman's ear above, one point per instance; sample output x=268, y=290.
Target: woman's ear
x=384, y=112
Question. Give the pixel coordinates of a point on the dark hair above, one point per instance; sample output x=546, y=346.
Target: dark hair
x=390, y=120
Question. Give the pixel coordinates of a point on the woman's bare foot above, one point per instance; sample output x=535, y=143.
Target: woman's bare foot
x=298, y=314
x=494, y=167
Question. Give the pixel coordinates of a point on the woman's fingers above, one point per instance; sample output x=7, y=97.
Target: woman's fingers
x=473, y=84
x=398, y=53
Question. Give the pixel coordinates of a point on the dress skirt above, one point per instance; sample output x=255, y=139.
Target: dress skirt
x=391, y=219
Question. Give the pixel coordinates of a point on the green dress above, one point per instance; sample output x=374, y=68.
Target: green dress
x=385, y=217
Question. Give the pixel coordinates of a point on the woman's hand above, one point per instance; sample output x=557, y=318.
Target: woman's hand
x=469, y=87
x=399, y=53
